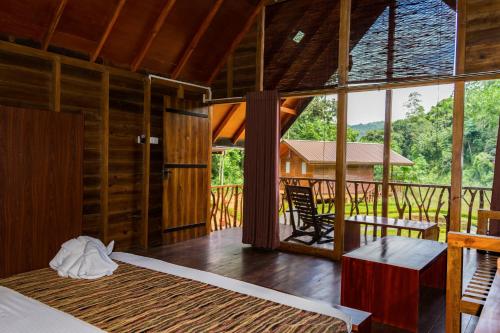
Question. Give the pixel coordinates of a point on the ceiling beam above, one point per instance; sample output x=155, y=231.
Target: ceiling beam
x=196, y=39
x=218, y=130
x=284, y=109
x=239, y=133
x=237, y=40
x=167, y=8
x=109, y=27
x=53, y=24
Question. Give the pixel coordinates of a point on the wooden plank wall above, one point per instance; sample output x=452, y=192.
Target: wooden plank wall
x=243, y=67
x=482, y=36
x=26, y=82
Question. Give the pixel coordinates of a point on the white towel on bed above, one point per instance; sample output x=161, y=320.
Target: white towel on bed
x=84, y=258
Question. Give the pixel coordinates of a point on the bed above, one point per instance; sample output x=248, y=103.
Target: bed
x=149, y=295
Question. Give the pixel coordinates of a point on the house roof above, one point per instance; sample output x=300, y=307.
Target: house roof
x=324, y=152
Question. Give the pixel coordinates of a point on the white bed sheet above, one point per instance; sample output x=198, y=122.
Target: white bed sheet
x=233, y=285
x=21, y=314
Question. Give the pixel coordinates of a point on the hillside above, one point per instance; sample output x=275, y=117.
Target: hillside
x=363, y=128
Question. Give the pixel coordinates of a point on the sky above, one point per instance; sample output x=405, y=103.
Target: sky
x=366, y=107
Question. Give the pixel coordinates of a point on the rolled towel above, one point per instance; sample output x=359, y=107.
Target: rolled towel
x=84, y=258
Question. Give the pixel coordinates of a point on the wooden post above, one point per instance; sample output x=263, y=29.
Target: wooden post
x=340, y=168
x=453, y=289
x=104, y=155
x=146, y=154
x=56, y=84
x=458, y=123
x=259, y=75
x=387, y=155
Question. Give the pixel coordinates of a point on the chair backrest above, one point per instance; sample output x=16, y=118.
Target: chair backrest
x=483, y=220
x=301, y=199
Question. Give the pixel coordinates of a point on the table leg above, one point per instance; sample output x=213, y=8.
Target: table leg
x=352, y=236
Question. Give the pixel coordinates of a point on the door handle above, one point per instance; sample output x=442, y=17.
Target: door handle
x=165, y=173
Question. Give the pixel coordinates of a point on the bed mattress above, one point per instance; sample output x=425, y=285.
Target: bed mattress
x=148, y=295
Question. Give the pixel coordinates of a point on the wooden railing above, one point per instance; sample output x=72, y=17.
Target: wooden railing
x=424, y=202
x=226, y=206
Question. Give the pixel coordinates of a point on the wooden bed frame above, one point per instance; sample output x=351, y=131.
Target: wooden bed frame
x=471, y=299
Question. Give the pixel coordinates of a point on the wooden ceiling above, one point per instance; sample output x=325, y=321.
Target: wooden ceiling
x=188, y=40
x=228, y=120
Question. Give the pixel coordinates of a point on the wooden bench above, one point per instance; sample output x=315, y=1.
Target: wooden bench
x=478, y=287
x=426, y=230
x=489, y=321
x=457, y=301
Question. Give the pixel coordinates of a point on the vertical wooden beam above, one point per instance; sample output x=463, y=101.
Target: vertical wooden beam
x=458, y=122
x=53, y=24
x=230, y=75
x=454, y=289
x=109, y=27
x=236, y=41
x=167, y=8
x=146, y=167
x=386, y=173
x=186, y=55
x=340, y=167
x=259, y=75
x=104, y=155
x=56, y=84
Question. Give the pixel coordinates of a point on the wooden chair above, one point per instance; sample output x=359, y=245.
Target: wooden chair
x=471, y=299
x=317, y=226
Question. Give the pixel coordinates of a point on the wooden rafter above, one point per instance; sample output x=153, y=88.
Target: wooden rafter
x=109, y=27
x=237, y=40
x=186, y=55
x=53, y=24
x=167, y=8
x=217, y=132
x=238, y=134
x=291, y=111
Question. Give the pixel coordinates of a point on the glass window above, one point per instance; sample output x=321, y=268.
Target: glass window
x=287, y=167
x=304, y=168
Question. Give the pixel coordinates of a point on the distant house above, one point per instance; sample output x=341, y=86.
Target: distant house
x=316, y=159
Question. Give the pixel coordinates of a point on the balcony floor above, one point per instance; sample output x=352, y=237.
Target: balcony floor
x=222, y=253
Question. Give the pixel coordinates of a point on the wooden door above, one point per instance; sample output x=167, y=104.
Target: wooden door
x=186, y=172
x=41, y=163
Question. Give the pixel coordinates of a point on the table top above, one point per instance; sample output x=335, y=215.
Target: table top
x=410, y=253
x=489, y=321
x=391, y=222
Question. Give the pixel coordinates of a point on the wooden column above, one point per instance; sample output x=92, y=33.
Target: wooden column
x=340, y=168
x=454, y=284
x=104, y=155
x=56, y=84
x=458, y=123
x=259, y=75
x=146, y=168
x=386, y=174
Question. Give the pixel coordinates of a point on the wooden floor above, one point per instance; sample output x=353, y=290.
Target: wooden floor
x=315, y=278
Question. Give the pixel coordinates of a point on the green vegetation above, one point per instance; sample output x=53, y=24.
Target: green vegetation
x=423, y=137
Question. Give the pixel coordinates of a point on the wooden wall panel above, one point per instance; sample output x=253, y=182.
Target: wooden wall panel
x=482, y=36
x=244, y=67
x=26, y=82
x=80, y=94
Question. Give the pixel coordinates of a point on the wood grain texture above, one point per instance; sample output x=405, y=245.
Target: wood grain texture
x=41, y=191
x=386, y=276
x=106, y=33
x=105, y=157
x=186, y=174
x=146, y=164
x=53, y=23
x=489, y=321
x=56, y=85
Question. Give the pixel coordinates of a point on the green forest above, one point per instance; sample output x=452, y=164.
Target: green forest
x=423, y=137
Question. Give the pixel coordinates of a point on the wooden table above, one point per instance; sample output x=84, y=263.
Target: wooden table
x=489, y=321
x=429, y=230
x=385, y=278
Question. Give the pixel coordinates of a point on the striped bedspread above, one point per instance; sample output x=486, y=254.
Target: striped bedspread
x=137, y=299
